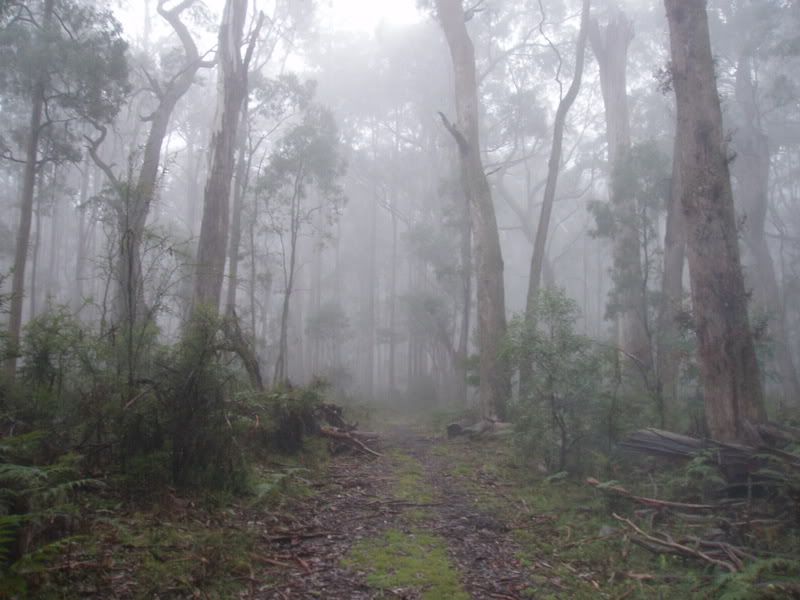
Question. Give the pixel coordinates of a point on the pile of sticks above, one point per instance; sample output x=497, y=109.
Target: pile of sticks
x=718, y=553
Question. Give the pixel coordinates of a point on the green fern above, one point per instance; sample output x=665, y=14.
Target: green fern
x=32, y=499
x=36, y=561
x=61, y=492
x=9, y=525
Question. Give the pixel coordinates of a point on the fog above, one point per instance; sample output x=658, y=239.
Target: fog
x=349, y=237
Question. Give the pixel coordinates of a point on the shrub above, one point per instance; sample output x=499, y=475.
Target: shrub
x=197, y=430
x=553, y=420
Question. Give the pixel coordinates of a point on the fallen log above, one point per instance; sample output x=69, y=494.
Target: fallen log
x=737, y=462
x=347, y=437
x=653, y=502
x=779, y=433
x=664, y=443
x=481, y=428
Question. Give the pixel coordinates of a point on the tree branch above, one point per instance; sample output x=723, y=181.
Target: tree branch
x=463, y=146
x=173, y=17
x=252, y=42
x=93, y=145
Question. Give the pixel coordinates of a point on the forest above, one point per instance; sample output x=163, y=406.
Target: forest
x=421, y=299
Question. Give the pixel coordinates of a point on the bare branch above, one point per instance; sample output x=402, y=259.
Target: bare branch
x=154, y=85
x=463, y=146
x=253, y=39
x=93, y=146
x=173, y=17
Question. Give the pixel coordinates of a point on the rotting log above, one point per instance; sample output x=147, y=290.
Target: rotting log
x=733, y=459
x=484, y=427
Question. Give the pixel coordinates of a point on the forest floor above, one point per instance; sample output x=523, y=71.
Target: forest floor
x=432, y=518
x=438, y=519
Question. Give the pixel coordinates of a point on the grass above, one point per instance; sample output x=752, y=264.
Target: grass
x=413, y=560
x=569, y=540
x=409, y=484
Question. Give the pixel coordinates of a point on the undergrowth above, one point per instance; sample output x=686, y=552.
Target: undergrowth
x=96, y=429
x=574, y=547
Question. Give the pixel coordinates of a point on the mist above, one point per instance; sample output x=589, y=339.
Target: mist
x=562, y=219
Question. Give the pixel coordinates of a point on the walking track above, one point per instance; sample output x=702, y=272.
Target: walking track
x=357, y=537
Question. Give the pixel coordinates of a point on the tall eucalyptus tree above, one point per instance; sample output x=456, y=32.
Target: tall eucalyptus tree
x=231, y=92
x=495, y=381
x=67, y=62
x=610, y=46
x=730, y=373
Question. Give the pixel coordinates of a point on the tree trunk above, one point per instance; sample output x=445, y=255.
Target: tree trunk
x=495, y=381
x=610, y=47
x=239, y=192
x=668, y=355
x=231, y=90
x=56, y=227
x=26, y=206
x=37, y=244
x=728, y=367
x=314, y=342
x=193, y=165
x=393, y=306
x=82, y=241
x=525, y=216
x=133, y=210
x=462, y=354
x=751, y=168
x=370, y=292
x=553, y=168
x=251, y=231
x=194, y=160
x=281, y=363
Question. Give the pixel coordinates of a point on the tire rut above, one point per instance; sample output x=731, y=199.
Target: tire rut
x=356, y=502
x=479, y=542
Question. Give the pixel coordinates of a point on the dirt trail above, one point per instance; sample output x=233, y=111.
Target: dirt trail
x=334, y=544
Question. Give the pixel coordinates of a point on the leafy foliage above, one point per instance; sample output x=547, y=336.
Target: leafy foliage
x=307, y=155
x=554, y=421
x=644, y=178
x=82, y=57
